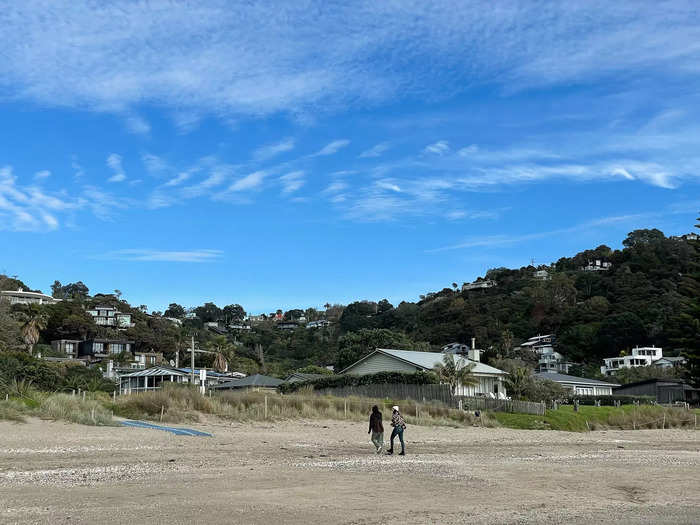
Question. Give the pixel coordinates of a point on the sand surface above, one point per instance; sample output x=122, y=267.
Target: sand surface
x=308, y=472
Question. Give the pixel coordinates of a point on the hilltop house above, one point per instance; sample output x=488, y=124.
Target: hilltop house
x=549, y=360
x=95, y=349
x=596, y=265
x=479, y=284
x=579, y=385
x=66, y=346
x=389, y=360
x=23, y=297
x=641, y=356
x=108, y=316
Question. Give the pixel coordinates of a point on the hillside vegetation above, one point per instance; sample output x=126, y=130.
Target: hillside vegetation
x=649, y=296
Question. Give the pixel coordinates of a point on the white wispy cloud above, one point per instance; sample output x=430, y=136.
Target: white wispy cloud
x=179, y=179
x=332, y=148
x=438, y=148
x=43, y=174
x=153, y=163
x=147, y=255
x=249, y=182
x=137, y=124
x=335, y=187
x=207, y=58
x=291, y=182
x=491, y=241
x=375, y=151
x=114, y=162
x=29, y=208
x=272, y=150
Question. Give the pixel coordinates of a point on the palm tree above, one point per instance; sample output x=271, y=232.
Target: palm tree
x=456, y=372
x=35, y=323
x=518, y=381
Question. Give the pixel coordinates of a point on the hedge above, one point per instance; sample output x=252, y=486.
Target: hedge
x=608, y=401
x=417, y=378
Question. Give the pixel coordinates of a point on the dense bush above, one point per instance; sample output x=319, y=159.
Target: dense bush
x=418, y=378
x=609, y=401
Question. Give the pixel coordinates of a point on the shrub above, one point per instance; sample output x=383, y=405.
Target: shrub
x=417, y=378
x=76, y=410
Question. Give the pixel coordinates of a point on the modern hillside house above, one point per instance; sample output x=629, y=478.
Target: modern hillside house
x=100, y=348
x=108, y=316
x=579, y=385
x=641, y=356
x=23, y=297
x=66, y=346
x=389, y=360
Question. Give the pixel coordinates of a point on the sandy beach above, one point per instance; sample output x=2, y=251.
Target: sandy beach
x=306, y=472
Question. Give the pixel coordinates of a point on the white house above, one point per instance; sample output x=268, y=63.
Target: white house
x=579, y=385
x=23, y=297
x=150, y=379
x=108, y=316
x=641, y=356
x=389, y=360
x=477, y=285
x=597, y=265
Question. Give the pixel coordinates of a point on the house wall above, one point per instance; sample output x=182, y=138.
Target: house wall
x=663, y=392
x=487, y=385
x=381, y=363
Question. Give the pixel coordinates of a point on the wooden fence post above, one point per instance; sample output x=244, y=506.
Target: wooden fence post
x=345, y=407
x=265, y=407
x=162, y=410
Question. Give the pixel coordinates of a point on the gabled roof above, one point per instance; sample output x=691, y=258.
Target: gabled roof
x=156, y=371
x=305, y=377
x=563, y=378
x=252, y=381
x=428, y=360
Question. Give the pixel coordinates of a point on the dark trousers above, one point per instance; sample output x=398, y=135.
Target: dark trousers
x=398, y=431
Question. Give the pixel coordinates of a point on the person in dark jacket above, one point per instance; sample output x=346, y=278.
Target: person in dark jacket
x=399, y=425
x=376, y=428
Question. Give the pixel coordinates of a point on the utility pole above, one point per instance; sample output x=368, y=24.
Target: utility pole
x=192, y=362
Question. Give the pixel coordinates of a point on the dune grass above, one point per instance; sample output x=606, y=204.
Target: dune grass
x=626, y=417
x=56, y=406
x=176, y=404
x=13, y=410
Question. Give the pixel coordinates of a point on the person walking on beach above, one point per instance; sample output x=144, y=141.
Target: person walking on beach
x=376, y=428
x=399, y=425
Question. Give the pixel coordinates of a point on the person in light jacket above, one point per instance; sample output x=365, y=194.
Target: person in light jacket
x=399, y=425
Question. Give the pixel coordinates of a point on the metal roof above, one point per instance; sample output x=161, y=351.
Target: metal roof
x=210, y=373
x=305, y=377
x=156, y=371
x=563, y=378
x=252, y=381
x=428, y=360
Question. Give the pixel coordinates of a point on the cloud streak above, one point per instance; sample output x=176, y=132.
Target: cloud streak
x=206, y=58
x=147, y=255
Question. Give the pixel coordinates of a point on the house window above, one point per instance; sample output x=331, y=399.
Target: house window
x=69, y=347
x=98, y=347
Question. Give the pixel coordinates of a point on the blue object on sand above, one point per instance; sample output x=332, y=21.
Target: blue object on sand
x=175, y=430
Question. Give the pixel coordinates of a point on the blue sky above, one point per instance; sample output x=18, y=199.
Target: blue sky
x=291, y=154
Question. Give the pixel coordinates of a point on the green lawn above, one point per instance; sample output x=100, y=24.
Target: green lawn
x=596, y=418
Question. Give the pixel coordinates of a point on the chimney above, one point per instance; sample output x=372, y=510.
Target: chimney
x=474, y=353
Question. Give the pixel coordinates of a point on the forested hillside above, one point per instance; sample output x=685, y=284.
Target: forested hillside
x=649, y=295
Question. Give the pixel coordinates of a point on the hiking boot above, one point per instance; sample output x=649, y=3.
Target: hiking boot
x=402, y=453
x=389, y=452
